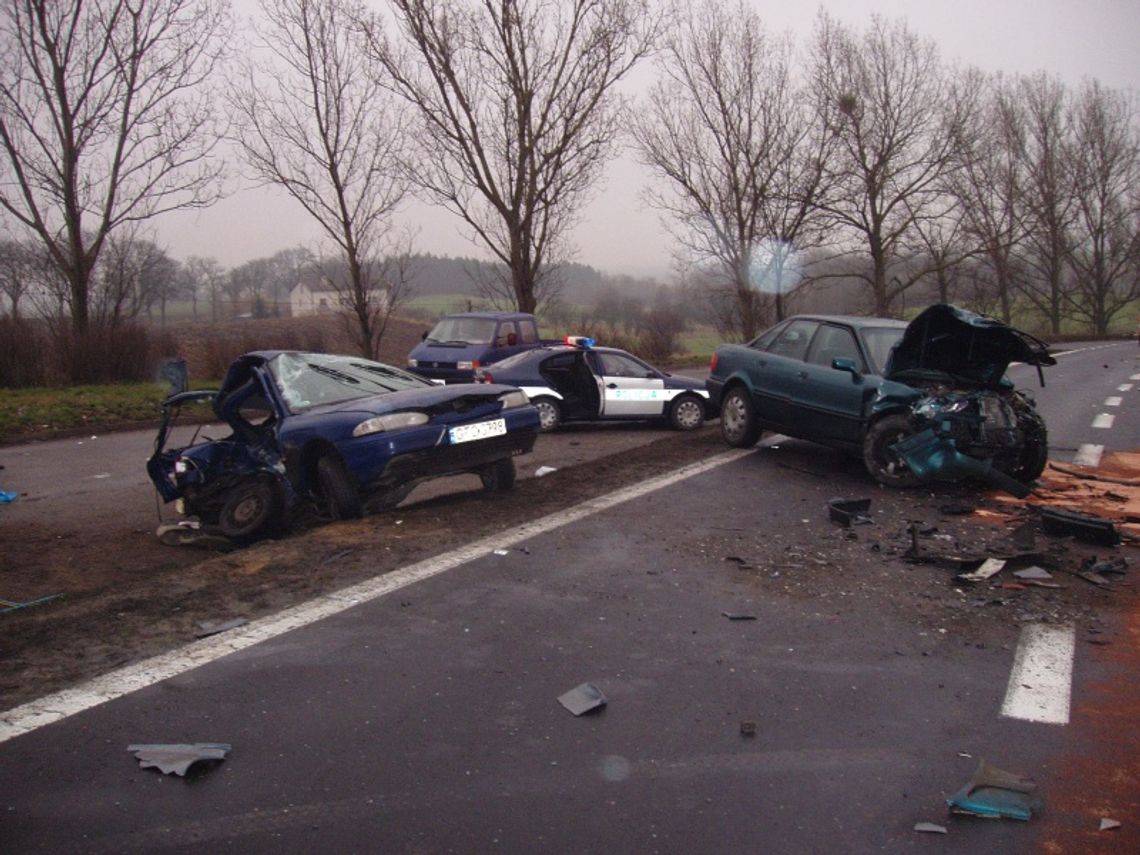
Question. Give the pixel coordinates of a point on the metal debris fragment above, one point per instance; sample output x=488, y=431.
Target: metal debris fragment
x=1033, y=572
x=583, y=699
x=176, y=759
x=988, y=568
x=1107, y=824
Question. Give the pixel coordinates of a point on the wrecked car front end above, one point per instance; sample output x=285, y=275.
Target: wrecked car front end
x=946, y=410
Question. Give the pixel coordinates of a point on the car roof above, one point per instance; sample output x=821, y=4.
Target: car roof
x=858, y=321
x=493, y=316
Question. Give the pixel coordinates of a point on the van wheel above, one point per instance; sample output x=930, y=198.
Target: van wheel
x=884, y=464
x=549, y=414
x=687, y=413
x=499, y=476
x=251, y=508
x=738, y=423
x=339, y=497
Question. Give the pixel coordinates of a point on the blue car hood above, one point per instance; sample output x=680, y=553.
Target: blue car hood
x=950, y=340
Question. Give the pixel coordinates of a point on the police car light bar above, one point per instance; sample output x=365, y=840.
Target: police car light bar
x=579, y=341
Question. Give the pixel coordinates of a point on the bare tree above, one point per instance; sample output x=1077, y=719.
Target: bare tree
x=133, y=274
x=316, y=120
x=1050, y=206
x=898, y=121
x=104, y=121
x=18, y=273
x=518, y=112
x=741, y=156
x=1105, y=157
x=205, y=278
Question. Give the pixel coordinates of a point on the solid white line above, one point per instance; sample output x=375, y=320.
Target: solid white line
x=1104, y=420
x=1114, y=401
x=46, y=710
x=1088, y=455
x=1040, y=684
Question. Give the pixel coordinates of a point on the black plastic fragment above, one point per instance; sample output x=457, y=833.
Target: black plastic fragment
x=1088, y=529
x=849, y=512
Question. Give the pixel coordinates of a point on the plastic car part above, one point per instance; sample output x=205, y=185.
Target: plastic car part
x=1059, y=522
x=881, y=458
x=176, y=759
x=340, y=498
x=582, y=699
x=251, y=507
x=499, y=476
x=928, y=456
x=549, y=413
x=686, y=413
x=738, y=424
x=849, y=512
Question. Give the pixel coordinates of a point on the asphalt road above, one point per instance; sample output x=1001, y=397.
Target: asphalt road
x=426, y=719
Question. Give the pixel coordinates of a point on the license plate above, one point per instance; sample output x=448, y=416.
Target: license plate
x=479, y=430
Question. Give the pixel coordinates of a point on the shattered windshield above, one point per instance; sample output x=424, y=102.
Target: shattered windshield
x=462, y=331
x=314, y=379
x=879, y=341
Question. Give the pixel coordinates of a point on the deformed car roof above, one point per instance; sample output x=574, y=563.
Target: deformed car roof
x=956, y=341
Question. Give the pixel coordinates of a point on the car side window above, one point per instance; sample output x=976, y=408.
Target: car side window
x=615, y=365
x=508, y=336
x=793, y=342
x=833, y=342
x=764, y=340
x=528, y=332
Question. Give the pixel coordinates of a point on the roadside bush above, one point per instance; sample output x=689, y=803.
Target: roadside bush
x=25, y=353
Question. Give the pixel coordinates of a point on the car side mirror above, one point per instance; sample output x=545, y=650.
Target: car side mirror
x=843, y=363
x=424, y=335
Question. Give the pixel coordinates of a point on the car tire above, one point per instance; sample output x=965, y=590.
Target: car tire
x=251, y=508
x=738, y=423
x=886, y=467
x=339, y=497
x=687, y=412
x=549, y=414
x=499, y=476
x=1034, y=453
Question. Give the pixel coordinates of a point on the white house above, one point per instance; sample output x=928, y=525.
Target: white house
x=318, y=298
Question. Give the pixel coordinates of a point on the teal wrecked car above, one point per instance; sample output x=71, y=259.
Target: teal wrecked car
x=924, y=401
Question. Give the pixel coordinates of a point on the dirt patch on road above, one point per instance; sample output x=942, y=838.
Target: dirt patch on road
x=133, y=608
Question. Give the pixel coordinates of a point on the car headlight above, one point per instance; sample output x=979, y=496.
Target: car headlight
x=391, y=421
x=413, y=363
x=181, y=466
x=512, y=399
x=935, y=408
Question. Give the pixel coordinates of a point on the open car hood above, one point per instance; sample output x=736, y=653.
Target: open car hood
x=958, y=342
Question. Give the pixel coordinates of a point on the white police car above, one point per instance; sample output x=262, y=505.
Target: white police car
x=577, y=381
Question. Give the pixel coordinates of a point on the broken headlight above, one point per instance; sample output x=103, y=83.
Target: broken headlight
x=933, y=408
x=391, y=421
x=511, y=400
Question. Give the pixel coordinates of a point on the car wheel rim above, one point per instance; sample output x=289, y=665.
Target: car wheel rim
x=546, y=416
x=734, y=417
x=688, y=414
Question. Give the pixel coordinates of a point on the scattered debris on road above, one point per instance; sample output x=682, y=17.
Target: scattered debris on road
x=1060, y=522
x=176, y=759
x=208, y=628
x=930, y=828
x=1107, y=824
x=544, y=470
x=989, y=567
x=994, y=793
x=849, y=512
x=11, y=605
x=583, y=699
x=738, y=616
x=747, y=728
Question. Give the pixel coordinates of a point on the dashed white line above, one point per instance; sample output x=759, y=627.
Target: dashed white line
x=1040, y=684
x=1088, y=455
x=1114, y=401
x=52, y=708
x=1124, y=387
x=1103, y=420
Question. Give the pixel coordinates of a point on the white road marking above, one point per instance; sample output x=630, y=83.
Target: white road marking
x=1088, y=455
x=1124, y=387
x=1134, y=377
x=1040, y=684
x=53, y=708
x=1114, y=401
x=1104, y=420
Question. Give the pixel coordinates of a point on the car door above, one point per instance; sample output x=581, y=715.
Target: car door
x=826, y=403
x=630, y=388
x=777, y=374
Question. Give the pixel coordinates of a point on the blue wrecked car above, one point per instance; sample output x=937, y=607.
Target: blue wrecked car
x=340, y=433
x=919, y=402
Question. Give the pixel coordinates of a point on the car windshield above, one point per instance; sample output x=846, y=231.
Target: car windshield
x=313, y=379
x=880, y=341
x=462, y=331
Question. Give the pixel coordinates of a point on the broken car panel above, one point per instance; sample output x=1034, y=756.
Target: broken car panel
x=339, y=431
x=921, y=401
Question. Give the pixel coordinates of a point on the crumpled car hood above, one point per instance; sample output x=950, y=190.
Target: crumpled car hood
x=971, y=347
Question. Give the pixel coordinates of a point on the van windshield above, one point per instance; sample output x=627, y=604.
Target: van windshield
x=462, y=331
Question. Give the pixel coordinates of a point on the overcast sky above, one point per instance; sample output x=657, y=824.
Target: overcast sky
x=618, y=234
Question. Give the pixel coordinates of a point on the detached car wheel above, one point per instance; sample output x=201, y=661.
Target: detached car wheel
x=738, y=423
x=250, y=509
x=885, y=465
x=499, y=476
x=687, y=413
x=340, y=499
x=549, y=413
